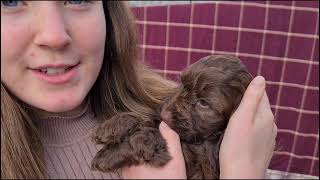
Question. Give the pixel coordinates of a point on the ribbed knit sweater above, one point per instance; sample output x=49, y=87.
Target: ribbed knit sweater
x=68, y=146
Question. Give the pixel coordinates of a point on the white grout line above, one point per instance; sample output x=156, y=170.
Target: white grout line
x=144, y=33
x=309, y=72
x=276, y=174
x=283, y=72
x=190, y=35
x=275, y=58
x=266, y=14
x=167, y=43
x=295, y=155
x=316, y=88
x=314, y=154
x=295, y=109
x=215, y=22
x=176, y=24
x=239, y=29
x=247, y=3
x=288, y=131
x=156, y=3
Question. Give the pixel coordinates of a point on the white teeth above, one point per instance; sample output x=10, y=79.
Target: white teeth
x=54, y=71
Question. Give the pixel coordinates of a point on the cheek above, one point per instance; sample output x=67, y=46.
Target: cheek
x=91, y=71
x=89, y=33
x=91, y=45
x=15, y=37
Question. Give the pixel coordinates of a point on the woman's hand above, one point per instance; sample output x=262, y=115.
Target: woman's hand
x=175, y=169
x=249, y=139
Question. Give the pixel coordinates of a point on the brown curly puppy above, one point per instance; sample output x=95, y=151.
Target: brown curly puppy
x=198, y=111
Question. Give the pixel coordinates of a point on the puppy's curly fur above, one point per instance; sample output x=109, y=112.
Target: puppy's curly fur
x=199, y=109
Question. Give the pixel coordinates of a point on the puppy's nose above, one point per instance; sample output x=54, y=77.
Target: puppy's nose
x=165, y=116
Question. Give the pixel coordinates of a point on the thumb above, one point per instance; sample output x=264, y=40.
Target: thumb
x=176, y=167
x=172, y=139
x=252, y=98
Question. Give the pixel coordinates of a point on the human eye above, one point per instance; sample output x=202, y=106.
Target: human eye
x=10, y=4
x=78, y=2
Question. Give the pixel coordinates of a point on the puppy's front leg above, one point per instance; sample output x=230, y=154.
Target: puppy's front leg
x=150, y=146
x=115, y=129
x=146, y=145
x=113, y=157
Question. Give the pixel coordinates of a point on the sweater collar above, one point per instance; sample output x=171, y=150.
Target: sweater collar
x=66, y=129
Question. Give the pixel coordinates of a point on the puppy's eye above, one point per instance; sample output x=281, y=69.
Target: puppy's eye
x=187, y=87
x=202, y=103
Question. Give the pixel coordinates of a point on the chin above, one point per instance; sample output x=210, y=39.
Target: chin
x=58, y=106
x=60, y=109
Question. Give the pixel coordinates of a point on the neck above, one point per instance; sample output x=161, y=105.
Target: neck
x=42, y=114
x=63, y=128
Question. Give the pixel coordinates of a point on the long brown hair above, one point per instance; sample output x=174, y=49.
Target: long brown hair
x=124, y=84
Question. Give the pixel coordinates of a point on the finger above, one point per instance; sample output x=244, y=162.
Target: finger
x=252, y=98
x=265, y=102
x=264, y=116
x=271, y=153
x=172, y=138
x=275, y=130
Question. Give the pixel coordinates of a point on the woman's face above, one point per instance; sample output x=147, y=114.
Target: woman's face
x=51, y=51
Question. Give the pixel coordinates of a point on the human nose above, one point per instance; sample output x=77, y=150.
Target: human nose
x=52, y=30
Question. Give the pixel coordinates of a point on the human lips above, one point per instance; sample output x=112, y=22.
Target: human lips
x=55, y=73
x=54, y=66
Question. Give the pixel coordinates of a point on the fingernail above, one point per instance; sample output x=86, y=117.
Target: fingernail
x=258, y=81
x=163, y=125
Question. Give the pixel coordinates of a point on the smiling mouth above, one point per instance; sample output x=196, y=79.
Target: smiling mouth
x=56, y=74
x=55, y=71
x=52, y=70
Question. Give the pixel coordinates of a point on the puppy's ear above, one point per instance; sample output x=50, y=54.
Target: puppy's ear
x=212, y=149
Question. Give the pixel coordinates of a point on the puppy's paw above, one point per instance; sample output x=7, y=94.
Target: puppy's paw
x=150, y=146
x=143, y=146
x=114, y=157
x=116, y=129
x=197, y=175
